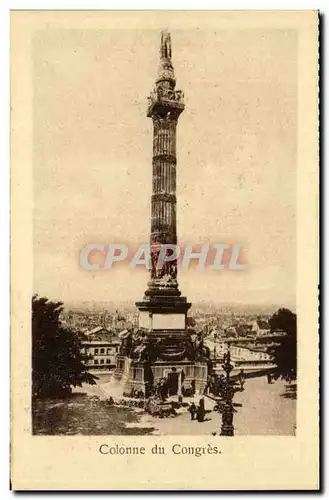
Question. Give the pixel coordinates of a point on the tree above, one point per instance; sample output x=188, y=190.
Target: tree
x=285, y=354
x=57, y=361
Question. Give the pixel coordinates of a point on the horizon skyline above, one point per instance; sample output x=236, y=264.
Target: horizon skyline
x=200, y=303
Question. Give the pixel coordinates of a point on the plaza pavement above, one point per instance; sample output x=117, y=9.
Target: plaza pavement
x=262, y=409
x=265, y=410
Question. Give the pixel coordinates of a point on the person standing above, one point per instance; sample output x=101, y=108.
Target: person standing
x=193, y=411
x=242, y=379
x=201, y=411
x=208, y=384
x=163, y=389
x=220, y=385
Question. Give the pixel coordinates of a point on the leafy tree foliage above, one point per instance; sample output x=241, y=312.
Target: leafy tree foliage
x=285, y=354
x=57, y=361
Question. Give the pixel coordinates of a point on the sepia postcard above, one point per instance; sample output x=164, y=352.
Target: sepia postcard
x=164, y=250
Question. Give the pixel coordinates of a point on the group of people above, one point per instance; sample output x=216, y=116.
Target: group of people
x=217, y=386
x=198, y=412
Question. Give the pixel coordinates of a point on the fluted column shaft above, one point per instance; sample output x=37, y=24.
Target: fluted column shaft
x=163, y=212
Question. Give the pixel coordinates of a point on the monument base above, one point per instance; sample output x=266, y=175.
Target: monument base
x=140, y=379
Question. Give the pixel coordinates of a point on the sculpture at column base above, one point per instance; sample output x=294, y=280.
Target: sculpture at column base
x=152, y=357
x=141, y=379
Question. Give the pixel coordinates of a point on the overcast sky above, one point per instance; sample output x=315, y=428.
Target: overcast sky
x=236, y=157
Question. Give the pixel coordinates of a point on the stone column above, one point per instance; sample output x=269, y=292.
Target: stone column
x=163, y=204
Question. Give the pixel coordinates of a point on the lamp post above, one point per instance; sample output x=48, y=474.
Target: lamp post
x=227, y=428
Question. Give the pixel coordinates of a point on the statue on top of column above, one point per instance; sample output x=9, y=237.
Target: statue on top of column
x=166, y=76
x=165, y=47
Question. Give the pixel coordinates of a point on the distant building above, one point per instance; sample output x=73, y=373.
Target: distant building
x=248, y=357
x=241, y=352
x=102, y=347
x=244, y=330
x=231, y=331
x=260, y=327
